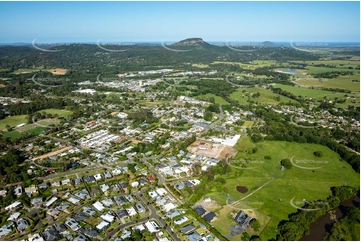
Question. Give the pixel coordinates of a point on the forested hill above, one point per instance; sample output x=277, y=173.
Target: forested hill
x=91, y=56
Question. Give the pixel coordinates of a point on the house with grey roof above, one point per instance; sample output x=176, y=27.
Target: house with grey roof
x=189, y=228
x=49, y=234
x=81, y=216
x=22, y=224
x=80, y=238
x=5, y=230
x=140, y=208
x=91, y=233
x=119, y=200
x=242, y=218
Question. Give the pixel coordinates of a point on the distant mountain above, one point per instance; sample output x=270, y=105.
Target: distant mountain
x=190, y=42
x=267, y=44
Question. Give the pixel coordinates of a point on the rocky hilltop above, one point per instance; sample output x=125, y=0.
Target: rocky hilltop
x=190, y=41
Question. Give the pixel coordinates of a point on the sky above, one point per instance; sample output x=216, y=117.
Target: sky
x=74, y=22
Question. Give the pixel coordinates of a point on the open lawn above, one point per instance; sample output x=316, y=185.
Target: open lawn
x=266, y=96
x=273, y=198
x=12, y=121
x=217, y=99
x=60, y=112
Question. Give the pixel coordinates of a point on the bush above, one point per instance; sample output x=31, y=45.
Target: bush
x=318, y=153
x=267, y=157
x=286, y=163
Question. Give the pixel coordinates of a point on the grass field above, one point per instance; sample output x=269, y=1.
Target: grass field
x=343, y=82
x=217, y=99
x=250, y=66
x=273, y=200
x=25, y=71
x=200, y=65
x=12, y=121
x=317, y=94
x=267, y=97
x=60, y=112
x=17, y=134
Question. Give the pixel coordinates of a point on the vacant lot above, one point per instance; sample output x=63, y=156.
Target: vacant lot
x=210, y=149
x=217, y=99
x=58, y=71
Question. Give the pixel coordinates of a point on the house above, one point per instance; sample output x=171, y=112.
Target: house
x=76, y=181
x=143, y=181
x=181, y=220
x=18, y=190
x=102, y=225
x=43, y=185
x=161, y=191
x=210, y=217
x=140, y=227
x=122, y=213
x=98, y=177
x=116, y=172
x=14, y=216
x=140, y=208
x=131, y=211
x=200, y=210
x=55, y=184
x=80, y=238
x=49, y=234
x=3, y=193
x=135, y=184
x=53, y=212
x=242, y=218
x=22, y=224
x=91, y=233
x=50, y=202
x=12, y=206
x=104, y=187
x=89, y=179
x=153, y=194
x=82, y=194
x=74, y=200
x=36, y=201
x=98, y=206
x=188, y=184
x=194, y=236
x=88, y=211
x=5, y=230
x=107, y=202
x=129, y=198
x=65, y=182
x=152, y=226
x=188, y=228
x=62, y=207
x=30, y=190
x=119, y=200
x=173, y=214
x=169, y=206
x=108, y=217
x=35, y=237
x=72, y=224
x=179, y=186
x=151, y=179
x=107, y=174
x=81, y=216
x=60, y=228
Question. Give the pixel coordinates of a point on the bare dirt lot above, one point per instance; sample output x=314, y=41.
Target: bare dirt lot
x=210, y=149
x=52, y=153
x=58, y=71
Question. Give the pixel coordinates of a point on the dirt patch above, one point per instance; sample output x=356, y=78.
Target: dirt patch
x=211, y=149
x=241, y=189
x=52, y=153
x=211, y=205
x=58, y=71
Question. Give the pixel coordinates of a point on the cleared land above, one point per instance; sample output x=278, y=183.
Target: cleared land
x=297, y=183
x=58, y=71
x=266, y=96
x=217, y=99
x=210, y=149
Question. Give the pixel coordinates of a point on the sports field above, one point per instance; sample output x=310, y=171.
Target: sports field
x=12, y=121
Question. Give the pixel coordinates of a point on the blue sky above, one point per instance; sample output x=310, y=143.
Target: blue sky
x=157, y=21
